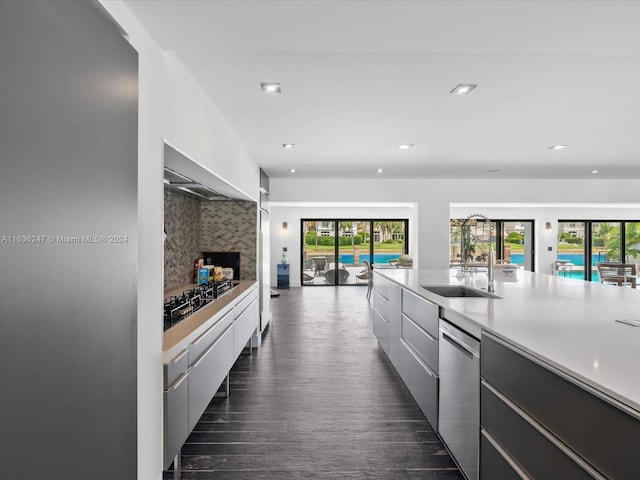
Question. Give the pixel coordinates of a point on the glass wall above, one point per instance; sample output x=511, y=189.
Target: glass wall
x=336, y=252
x=605, y=245
x=583, y=244
x=632, y=242
x=512, y=240
x=571, y=249
x=388, y=241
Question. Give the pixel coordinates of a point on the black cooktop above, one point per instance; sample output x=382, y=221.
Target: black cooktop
x=179, y=307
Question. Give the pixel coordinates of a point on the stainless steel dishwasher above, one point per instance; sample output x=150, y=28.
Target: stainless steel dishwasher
x=459, y=423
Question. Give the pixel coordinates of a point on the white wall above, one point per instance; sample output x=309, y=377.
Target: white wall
x=434, y=197
x=195, y=126
x=292, y=214
x=172, y=107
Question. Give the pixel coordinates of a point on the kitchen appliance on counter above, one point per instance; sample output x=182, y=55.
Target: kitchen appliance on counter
x=179, y=307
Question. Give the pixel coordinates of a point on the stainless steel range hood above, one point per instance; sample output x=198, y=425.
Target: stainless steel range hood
x=179, y=183
x=185, y=176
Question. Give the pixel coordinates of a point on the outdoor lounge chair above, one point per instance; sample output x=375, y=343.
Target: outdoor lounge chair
x=366, y=274
x=621, y=274
x=321, y=264
x=330, y=275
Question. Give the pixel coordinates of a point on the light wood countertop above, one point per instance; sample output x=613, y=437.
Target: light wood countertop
x=177, y=337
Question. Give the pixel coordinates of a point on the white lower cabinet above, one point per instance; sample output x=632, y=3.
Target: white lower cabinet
x=421, y=382
x=176, y=405
x=208, y=373
x=245, y=324
x=381, y=330
x=406, y=326
x=194, y=375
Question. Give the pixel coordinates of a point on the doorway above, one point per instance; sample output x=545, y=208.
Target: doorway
x=337, y=251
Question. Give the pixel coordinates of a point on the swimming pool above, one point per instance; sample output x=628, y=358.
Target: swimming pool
x=377, y=258
x=575, y=258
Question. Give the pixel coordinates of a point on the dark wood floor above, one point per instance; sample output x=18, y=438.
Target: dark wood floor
x=318, y=400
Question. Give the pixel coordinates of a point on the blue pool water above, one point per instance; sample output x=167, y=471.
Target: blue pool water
x=575, y=258
x=377, y=258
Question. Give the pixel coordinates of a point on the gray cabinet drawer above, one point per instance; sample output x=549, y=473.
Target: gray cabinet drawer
x=493, y=466
x=596, y=429
x=381, y=330
x=244, y=326
x=379, y=303
x=204, y=341
x=529, y=448
x=175, y=367
x=176, y=417
x=421, y=311
x=424, y=344
x=208, y=373
x=381, y=284
x=421, y=382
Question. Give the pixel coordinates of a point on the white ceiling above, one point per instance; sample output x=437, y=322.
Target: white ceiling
x=361, y=77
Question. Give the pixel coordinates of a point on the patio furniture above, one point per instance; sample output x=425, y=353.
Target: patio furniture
x=306, y=278
x=330, y=275
x=321, y=265
x=309, y=264
x=366, y=274
x=621, y=274
x=563, y=266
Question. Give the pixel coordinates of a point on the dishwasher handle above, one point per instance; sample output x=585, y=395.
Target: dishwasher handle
x=459, y=343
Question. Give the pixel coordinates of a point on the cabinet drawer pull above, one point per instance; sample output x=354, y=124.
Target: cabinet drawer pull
x=181, y=379
x=460, y=344
x=178, y=357
x=201, y=337
x=208, y=350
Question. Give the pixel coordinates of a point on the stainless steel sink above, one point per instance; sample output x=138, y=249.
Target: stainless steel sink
x=458, y=291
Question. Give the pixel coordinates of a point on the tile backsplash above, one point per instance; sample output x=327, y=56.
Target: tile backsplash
x=182, y=246
x=193, y=227
x=231, y=226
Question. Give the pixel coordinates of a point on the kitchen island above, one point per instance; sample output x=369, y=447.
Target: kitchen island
x=549, y=347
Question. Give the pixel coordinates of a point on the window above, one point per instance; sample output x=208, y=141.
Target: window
x=512, y=241
x=582, y=244
x=352, y=243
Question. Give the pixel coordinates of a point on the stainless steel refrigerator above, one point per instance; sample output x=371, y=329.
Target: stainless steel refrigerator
x=68, y=243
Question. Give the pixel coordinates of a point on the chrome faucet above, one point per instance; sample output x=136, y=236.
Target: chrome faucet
x=491, y=259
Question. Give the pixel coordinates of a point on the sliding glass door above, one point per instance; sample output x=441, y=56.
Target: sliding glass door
x=388, y=241
x=318, y=250
x=584, y=244
x=337, y=251
x=512, y=240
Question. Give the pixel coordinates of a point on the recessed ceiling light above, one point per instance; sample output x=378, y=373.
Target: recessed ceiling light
x=288, y=146
x=463, y=89
x=292, y=170
x=493, y=170
x=405, y=146
x=558, y=147
x=596, y=171
x=271, y=87
x=379, y=170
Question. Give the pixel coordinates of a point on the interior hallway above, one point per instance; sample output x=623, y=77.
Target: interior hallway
x=317, y=400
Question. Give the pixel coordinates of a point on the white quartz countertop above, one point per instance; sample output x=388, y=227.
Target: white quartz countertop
x=567, y=323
